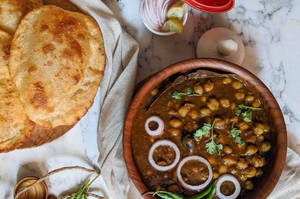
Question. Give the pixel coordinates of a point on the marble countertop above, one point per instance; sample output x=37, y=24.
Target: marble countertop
x=270, y=31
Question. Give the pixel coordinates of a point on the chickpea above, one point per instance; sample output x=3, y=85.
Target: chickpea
x=235, y=119
x=241, y=146
x=242, y=164
x=221, y=140
x=211, y=160
x=174, y=188
x=203, y=99
x=208, y=86
x=266, y=128
x=250, y=172
x=149, y=172
x=172, y=112
x=243, y=177
x=157, y=187
x=175, y=132
x=184, y=110
x=260, y=138
x=220, y=124
x=223, y=169
x=251, y=150
x=204, y=112
x=249, y=185
x=259, y=172
x=232, y=106
x=213, y=104
x=233, y=171
x=265, y=147
x=256, y=103
x=243, y=126
x=237, y=85
x=227, y=149
x=251, y=139
x=216, y=175
x=152, y=139
x=198, y=89
x=259, y=129
x=225, y=102
x=193, y=114
x=175, y=123
x=249, y=99
x=239, y=96
x=229, y=160
x=258, y=161
x=154, y=92
x=227, y=80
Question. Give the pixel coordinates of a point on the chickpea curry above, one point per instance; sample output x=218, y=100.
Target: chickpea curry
x=196, y=131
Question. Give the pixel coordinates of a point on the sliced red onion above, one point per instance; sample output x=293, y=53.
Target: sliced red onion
x=163, y=143
x=154, y=12
x=160, y=128
x=228, y=178
x=194, y=187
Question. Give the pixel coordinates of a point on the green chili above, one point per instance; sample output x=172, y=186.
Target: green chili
x=202, y=194
x=212, y=192
x=167, y=195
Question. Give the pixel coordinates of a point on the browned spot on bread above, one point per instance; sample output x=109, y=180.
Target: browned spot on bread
x=6, y=50
x=76, y=79
x=44, y=28
x=32, y=69
x=74, y=49
x=80, y=37
x=39, y=99
x=48, y=48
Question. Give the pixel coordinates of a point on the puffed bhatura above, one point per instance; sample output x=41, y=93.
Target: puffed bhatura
x=57, y=62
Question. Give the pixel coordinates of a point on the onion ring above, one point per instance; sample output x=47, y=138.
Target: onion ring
x=194, y=187
x=160, y=128
x=226, y=178
x=163, y=143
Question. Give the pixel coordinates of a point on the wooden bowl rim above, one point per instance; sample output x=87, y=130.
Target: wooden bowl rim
x=225, y=67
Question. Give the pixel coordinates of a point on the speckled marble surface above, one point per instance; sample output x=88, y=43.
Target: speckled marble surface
x=270, y=30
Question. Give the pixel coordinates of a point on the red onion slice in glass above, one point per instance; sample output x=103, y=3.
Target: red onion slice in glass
x=163, y=143
x=194, y=187
x=228, y=178
x=160, y=128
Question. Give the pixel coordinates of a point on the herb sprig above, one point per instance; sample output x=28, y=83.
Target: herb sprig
x=189, y=92
x=235, y=133
x=246, y=112
x=212, y=147
x=82, y=192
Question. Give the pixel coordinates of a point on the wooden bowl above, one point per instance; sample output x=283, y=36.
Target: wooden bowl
x=279, y=137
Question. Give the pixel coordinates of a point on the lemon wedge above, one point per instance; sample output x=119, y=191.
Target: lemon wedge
x=177, y=10
x=173, y=25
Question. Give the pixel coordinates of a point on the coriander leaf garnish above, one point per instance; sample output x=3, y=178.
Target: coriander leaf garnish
x=212, y=147
x=235, y=133
x=246, y=112
x=189, y=91
x=82, y=192
x=203, y=131
x=177, y=95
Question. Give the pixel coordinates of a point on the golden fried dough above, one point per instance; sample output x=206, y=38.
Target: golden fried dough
x=14, y=124
x=12, y=11
x=57, y=62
